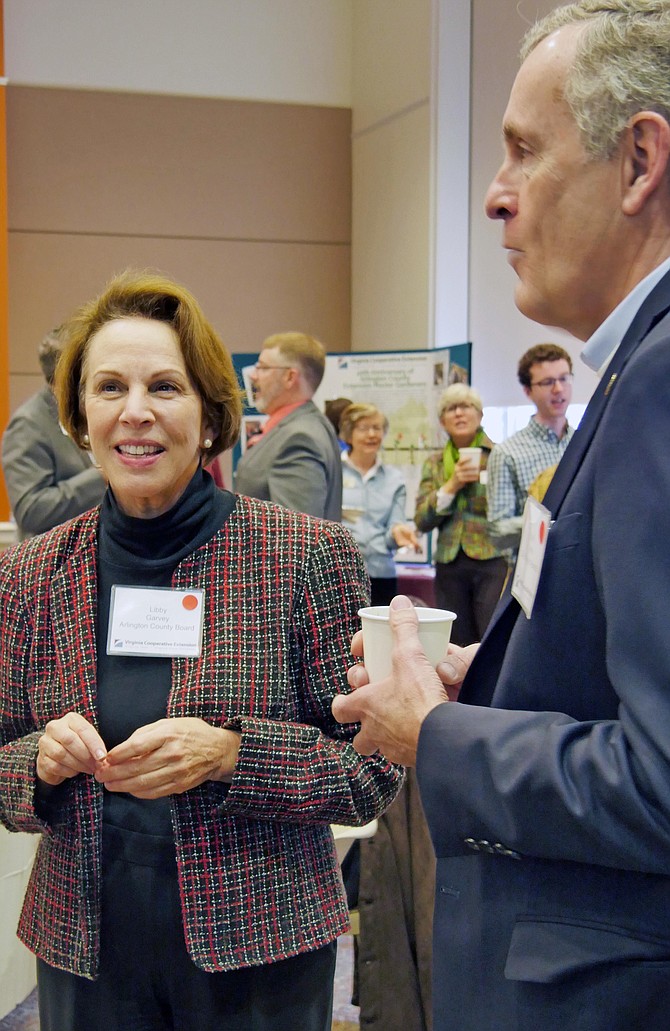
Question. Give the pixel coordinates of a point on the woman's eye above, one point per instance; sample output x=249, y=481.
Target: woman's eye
x=164, y=388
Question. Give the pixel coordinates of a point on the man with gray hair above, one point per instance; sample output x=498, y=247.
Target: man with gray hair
x=295, y=460
x=48, y=478
x=544, y=765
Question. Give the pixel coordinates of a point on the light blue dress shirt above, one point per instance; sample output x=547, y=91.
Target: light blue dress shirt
x=371, y=505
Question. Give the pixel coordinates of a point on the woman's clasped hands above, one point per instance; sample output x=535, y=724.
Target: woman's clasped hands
x=163, y=758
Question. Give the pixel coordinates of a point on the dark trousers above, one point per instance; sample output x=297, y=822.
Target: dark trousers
x=148, y=982
x=471, y=588
x=382, y=589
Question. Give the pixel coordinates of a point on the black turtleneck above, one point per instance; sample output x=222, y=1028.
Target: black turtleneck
x=133, y=690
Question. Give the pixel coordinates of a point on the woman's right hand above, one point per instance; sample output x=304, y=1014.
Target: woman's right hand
x=464, y=472
x=68, y=746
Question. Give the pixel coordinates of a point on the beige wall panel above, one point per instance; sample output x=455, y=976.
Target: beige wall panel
x=391, y=234
x=138, y=164
x=21, y=387
x=248, y=290
x=391, y=57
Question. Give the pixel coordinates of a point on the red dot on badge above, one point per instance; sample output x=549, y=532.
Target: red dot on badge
x=543, y=530
x=190, y=602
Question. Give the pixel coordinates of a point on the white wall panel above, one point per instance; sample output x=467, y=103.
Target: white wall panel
x=391, y=156
x=296, y=51
x=391, y=58
x=390, y=237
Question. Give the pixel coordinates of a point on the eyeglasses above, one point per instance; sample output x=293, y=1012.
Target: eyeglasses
x=266, y=368
x=377, y=428
x=549, y=382
x=462, y=406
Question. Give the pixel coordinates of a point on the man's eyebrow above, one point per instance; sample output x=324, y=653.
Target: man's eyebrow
x=512, y=133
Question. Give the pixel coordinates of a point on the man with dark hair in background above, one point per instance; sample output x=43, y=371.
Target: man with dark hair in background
x=545, y=373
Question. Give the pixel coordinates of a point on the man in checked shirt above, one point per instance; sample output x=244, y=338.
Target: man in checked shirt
x=545, y=373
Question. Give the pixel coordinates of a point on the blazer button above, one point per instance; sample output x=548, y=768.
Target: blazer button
x=502, y=850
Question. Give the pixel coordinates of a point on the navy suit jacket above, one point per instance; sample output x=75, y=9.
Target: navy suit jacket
x=297, y=464
x=548, y=792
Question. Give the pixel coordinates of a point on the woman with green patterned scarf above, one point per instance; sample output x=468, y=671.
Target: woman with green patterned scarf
x=469, y=570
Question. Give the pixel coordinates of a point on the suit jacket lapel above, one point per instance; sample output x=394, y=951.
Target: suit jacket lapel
x=651, y=312
x=480, y=683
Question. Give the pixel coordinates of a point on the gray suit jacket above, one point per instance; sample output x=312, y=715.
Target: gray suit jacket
x=48, y=478
x=297, y=464
x=548, y=794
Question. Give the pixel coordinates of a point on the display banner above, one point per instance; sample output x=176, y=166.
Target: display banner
x=404, y=385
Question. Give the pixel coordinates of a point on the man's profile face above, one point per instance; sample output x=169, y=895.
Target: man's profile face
x=269, y=380
x=561, y=210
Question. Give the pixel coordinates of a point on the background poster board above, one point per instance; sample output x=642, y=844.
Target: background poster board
x=404, y=385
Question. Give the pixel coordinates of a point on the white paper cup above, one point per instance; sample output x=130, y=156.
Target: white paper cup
x=473, y=455
x=434, y=634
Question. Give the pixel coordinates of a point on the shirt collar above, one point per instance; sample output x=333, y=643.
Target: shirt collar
x=601, y=345
x=364, y=476
x=279, y=414
x=546, y=432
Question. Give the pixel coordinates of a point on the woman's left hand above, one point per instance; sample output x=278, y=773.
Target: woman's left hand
x=168, y=757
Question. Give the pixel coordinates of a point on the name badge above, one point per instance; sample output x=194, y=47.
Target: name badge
x=155, y=621
x=534, y=533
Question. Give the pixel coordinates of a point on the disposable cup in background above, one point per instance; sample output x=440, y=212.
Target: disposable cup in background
x=434, y=634
x=472, y=454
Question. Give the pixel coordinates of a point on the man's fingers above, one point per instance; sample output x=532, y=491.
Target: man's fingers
x=346, y=708
x=364, y=744
x=456, y=663
x=404, y=621
x=357, y=644
x=357, y=676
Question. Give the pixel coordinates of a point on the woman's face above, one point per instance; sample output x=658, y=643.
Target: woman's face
x=144, y=418
x=461, y=422
x=367, y=436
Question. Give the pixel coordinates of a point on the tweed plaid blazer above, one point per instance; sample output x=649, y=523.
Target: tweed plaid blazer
x=257, y=867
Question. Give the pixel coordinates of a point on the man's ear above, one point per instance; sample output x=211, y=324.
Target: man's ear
x=646, y=152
